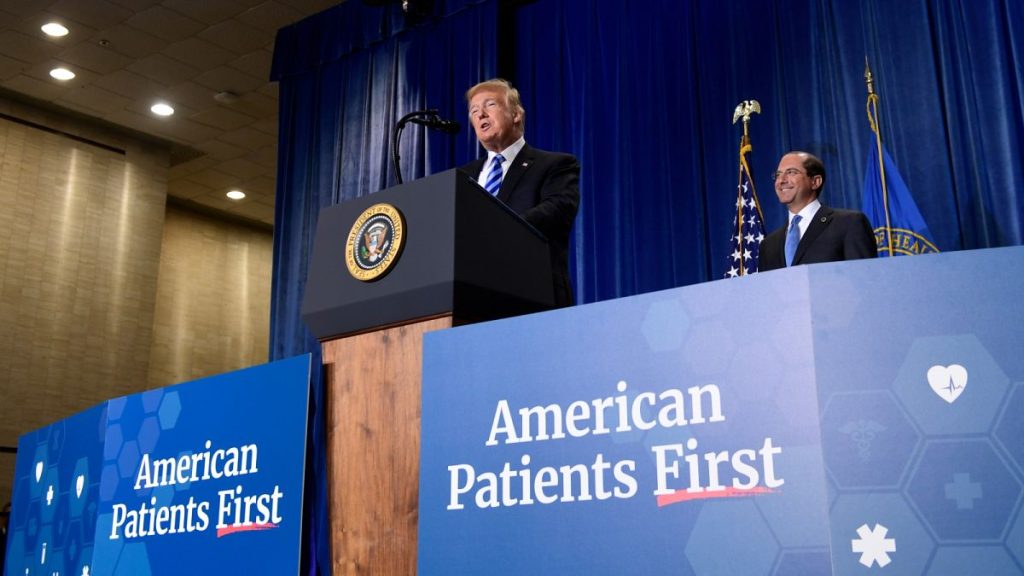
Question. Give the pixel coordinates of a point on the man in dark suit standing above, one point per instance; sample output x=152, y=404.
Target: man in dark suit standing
x=542, y=187
x=815, y=233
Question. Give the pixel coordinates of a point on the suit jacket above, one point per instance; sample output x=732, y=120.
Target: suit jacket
x=832, y=236
x=544, y=189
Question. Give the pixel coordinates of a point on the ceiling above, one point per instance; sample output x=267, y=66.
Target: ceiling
x=128, y=54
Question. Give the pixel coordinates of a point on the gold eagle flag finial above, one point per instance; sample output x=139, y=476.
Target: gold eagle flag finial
x=744, y=110
x=872, y=105
x=869, y=78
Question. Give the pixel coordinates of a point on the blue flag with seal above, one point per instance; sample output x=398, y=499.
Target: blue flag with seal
x=898, y=225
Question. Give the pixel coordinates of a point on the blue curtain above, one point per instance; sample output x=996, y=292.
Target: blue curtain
x=643, y=93
x=346, y=76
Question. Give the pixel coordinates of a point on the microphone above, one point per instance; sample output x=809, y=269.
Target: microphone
x=437, y=123
x=428, y=118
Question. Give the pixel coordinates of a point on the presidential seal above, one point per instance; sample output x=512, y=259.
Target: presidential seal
x=375, y=242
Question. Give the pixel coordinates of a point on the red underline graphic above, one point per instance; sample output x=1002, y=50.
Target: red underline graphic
x=233, y=529
x=683, y=495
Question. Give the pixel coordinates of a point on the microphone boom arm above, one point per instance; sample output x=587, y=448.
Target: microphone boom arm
x=428, y=118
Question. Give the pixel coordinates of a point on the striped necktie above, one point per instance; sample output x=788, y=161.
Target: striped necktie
x=494, y=178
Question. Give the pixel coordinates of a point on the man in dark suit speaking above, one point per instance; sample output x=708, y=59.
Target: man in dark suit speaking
x=815, y=233
x=542, y=187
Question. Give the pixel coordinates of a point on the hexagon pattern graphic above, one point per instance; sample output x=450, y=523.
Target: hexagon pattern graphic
x=802, y=563
x=951, y=385
x=140, y=420
x=940, y=457
x=972, y=560
x=665, y=326
x=803, y=495
x=1010, y=429
x=56, y=469
x=964, y=490
x=754, y=554
x=1015, y=539
x=869, y=438
x=869, y=530
x=169, y=410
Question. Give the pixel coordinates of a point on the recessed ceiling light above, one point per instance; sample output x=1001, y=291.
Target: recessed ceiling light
x=226, y=97
x=54, y=29
x=62, y=74
x=161, y=109
x=236, y=194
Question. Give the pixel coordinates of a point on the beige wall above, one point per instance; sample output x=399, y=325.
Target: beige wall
x=213, y=298
x=104, y=289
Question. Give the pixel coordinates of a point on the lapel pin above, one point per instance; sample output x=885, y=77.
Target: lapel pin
x=823, y=219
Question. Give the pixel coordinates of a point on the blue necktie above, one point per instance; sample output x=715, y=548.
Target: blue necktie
x=792, y=239
x=494, y=178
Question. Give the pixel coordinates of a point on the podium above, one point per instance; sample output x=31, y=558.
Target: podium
x=457, y=256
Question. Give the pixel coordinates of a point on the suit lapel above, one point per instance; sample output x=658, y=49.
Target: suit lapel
x=520, y=164
x=773, y=251
x=474, y=167
x=822, y=218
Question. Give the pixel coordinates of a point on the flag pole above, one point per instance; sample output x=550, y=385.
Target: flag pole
x=744, y=110
x=872, y=111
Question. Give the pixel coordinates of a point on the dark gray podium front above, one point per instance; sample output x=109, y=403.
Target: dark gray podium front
x=465, y=254
x=465, y=258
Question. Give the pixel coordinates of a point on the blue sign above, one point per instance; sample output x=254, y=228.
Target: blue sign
x=923, y=412
x=56, y=488
x=669, y=433
x=201, y=477
x=851, y=418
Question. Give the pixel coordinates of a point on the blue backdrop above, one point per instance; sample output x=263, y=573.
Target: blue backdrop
x=643, y=94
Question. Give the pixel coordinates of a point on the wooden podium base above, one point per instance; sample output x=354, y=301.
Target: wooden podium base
x=373, y=443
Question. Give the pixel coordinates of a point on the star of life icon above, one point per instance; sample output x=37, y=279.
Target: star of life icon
x=948, y=382
x=873, y=545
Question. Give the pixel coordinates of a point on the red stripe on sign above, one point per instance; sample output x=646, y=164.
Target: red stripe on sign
x=683, y=495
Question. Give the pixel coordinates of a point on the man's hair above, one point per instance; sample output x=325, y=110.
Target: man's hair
x=814, y=167
x=512, y=101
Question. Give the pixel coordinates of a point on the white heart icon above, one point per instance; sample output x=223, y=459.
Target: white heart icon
x=39, y=471
x=948, y=382
x=79, y=484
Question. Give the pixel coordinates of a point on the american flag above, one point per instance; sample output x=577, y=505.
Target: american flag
x=747, y=223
